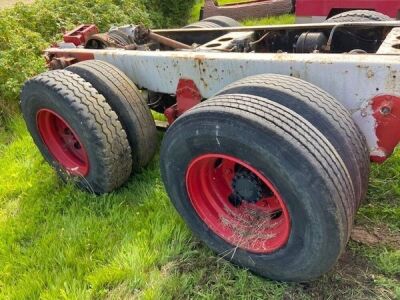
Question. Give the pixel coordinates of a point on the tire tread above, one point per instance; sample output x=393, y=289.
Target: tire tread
x=303, y=133
x=327, y=105
x=139, y=123
x=93, y=110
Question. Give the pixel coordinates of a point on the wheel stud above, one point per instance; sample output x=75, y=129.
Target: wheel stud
x=234, y=200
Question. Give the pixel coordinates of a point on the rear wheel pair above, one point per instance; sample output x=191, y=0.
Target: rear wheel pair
x=91, y=123
x=269, y=173
x=260, y=173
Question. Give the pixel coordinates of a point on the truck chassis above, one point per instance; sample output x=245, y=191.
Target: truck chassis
x=270, y=128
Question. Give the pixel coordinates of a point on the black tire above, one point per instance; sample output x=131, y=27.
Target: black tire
x=359, y=16
x=87, y=113
x=126, y=100
x=203, y=24
x=300, y=162
x=322, y=111
x=223, y=21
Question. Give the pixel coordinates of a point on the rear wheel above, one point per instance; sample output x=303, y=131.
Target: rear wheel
x=322, y=111
x=359, y=16
x=76, y=130
x=367, y=40
x=260, y=186
x=215, y=22
x=203, y=24
x=128, y=103
x=223, y=21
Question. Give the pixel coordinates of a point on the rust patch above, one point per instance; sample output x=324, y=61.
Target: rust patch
x=200, y=58
x=370, y=74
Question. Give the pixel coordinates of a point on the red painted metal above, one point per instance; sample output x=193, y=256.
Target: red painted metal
x=171, y=114
x=62, y=142
x=261, y=227
x=187, y=96
x=386, y=111
x=308, y=8
x=58, y=60
x=80, y=35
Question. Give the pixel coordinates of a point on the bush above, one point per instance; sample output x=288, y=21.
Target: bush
x=20, y=58
x=28, y=29
x=169, y=13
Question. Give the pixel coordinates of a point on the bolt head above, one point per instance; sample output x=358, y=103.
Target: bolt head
x=385, y=110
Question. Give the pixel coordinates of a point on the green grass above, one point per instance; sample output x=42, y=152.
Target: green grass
x=195, y=15
x=57, y=242
x=285, y=19
x=199, y=3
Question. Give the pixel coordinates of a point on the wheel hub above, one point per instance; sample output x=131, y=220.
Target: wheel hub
x=62, y=142
x=247, y=187
x=238, y=203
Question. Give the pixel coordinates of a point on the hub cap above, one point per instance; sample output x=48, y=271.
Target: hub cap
x=62, y=142
x=238, y=203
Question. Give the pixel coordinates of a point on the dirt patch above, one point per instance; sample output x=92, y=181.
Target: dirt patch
x=376, y=236
x=352, y=278
x=9, y=3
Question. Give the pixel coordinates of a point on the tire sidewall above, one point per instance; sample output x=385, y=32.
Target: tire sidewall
x=311, y=216
x=39, y=98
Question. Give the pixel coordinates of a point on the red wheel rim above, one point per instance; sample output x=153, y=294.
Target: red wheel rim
x=62, y=142
x=238, y=203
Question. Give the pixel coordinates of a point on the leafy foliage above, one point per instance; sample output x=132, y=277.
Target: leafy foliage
x=27, y=29
x=169, y=13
